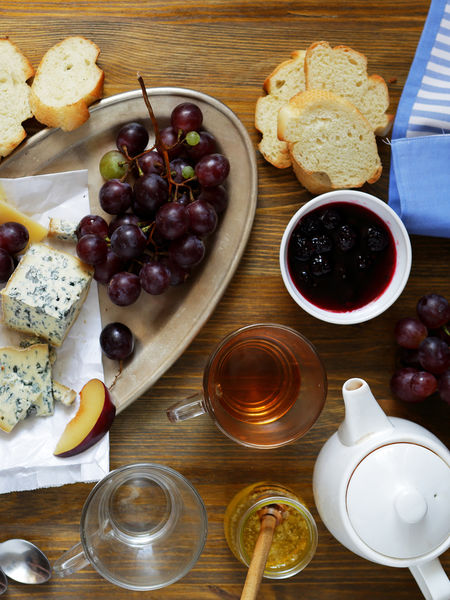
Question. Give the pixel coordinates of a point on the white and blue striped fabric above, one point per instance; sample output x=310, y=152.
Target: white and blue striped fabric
x=431, y=109
x=419, y=185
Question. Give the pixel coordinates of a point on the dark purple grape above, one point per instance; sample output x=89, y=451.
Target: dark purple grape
x=13, y=237
x=401, y=385
x=444, y=386
x=115, y=196
x=172, y=220
x=124, y=288
x=410, y=332
x=179, y=167
x=345, y=238
x=117, y=341
x=216, y=196
x=409, y=358
x=151, y=191
x=128, y=241
x=178, y=274
x=434, y=355
x=6, y=265
x=172, y=144
x=92, y=249
x=207, y=145
x=134, y=137
x=151, y=162
x=92, y=224
x=423, y=384
x=154, y=277
x=202, y=217
x=186, y=117
x=433, y=310
x=125, y=219
x=187, y=251
x=377, y=238
x=212, y=170
x=110, y=266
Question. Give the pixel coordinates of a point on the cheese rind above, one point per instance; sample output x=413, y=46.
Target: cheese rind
x=45, y=293
x=25, y=384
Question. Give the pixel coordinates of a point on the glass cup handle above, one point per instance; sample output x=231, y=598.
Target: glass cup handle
x=71, y=561
x=190, y=407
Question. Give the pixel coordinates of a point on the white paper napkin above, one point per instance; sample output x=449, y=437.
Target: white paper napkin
x=26, y=454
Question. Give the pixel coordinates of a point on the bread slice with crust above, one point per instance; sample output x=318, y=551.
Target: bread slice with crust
x=67, y=81
x=344, y=71
x=331, y=144
x=287, y=79
x=15, y=70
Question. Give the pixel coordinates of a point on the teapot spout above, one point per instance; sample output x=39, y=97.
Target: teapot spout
x=363, y=414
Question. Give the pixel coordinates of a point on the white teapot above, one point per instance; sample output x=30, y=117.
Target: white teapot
x=382, y=488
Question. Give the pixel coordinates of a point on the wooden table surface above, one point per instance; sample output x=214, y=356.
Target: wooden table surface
x=226, y=48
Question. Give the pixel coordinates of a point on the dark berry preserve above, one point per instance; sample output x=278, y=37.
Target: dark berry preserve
x=341, y=256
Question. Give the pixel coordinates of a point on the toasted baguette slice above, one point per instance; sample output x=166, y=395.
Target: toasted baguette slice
x=67, y=81
x=15, y=70
x=332, y=145
x=284, y=82
x=344, y=71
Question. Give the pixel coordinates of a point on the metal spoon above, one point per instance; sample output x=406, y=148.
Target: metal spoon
x=3, y=583
x=24, y=562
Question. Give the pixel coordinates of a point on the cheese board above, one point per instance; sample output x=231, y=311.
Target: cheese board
x=163, y=325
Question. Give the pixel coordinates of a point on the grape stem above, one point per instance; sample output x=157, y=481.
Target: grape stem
x=159, y=144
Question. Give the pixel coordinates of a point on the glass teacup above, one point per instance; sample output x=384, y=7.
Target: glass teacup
x=142, y=527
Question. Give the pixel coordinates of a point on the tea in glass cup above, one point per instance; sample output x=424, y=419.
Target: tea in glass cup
x=294, y=540
x=264, y=386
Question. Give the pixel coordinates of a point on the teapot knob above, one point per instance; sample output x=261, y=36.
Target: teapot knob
x=410, y=505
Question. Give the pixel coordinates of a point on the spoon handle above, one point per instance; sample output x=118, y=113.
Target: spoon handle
x=259, y=558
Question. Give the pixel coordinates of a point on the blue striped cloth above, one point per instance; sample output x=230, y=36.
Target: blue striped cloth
x=419, y=186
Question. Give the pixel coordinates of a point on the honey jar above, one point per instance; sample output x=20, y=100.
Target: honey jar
x=295, y=538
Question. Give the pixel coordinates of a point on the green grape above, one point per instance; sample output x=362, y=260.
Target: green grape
x=192, y=138
x=188, y=172
x=113, y=165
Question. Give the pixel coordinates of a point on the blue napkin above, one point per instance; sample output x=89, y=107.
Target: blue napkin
x=419, y=187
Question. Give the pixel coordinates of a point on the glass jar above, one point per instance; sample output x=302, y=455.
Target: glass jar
x=295, y=539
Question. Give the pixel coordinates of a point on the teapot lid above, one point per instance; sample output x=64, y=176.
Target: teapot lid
x=398, y=500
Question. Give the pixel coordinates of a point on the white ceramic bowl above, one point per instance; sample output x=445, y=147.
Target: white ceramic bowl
x=402, y=266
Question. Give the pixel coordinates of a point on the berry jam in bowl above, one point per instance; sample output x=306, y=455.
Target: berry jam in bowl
x=345, y=257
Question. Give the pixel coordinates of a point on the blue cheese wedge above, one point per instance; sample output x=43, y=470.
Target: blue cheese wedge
x=44, y=295
x=25, y=384
x=63, y=394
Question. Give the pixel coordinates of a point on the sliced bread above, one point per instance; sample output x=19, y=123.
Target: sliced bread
x=15, y=70
x=344, y=71
x=284, y=82
x=67, y=81
x=331, y=144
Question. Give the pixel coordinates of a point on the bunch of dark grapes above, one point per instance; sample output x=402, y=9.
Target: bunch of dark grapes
x=13, y=239
x=424, y=351
x=164, y=201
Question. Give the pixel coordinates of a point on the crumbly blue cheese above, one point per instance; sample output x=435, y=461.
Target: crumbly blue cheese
x=63, y=394
x=45, y=293
x=25, y=384
x=63, y=230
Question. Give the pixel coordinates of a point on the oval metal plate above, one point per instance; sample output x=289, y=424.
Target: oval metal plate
x=163, y=325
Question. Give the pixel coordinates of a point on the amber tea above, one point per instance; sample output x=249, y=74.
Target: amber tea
x=255, y=380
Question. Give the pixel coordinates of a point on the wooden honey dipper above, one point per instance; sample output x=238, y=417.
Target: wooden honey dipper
x=270, y=516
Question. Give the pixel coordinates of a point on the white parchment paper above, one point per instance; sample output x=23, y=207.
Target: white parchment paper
x=26, y=454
